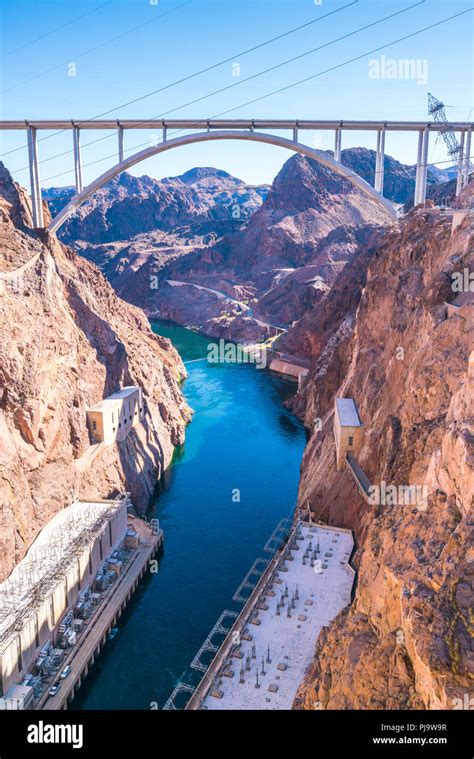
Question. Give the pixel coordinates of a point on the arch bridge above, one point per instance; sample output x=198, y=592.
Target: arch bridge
x=240, y=129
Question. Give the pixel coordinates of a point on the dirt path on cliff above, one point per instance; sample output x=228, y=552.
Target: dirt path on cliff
x=221, y=295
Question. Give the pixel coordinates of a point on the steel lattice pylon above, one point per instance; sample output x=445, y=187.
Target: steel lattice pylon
x=455, y=150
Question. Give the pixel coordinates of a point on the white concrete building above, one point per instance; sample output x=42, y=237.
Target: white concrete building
x=112, y=418
x=17, y=697
x=289, y=370
x=348, y=430
x=46, y=584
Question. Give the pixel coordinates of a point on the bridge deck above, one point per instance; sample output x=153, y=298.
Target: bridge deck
x=403, y=126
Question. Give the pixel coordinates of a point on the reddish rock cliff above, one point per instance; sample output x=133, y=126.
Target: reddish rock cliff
x=287, y=258
x=67, y=341
x=406, y=641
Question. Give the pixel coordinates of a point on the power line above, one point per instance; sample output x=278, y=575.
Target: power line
x=227, y=60
x=249, y=78
x=293, y=84
x=193, y=75
x=97, y=47
x=57, y=29
x=345, y=63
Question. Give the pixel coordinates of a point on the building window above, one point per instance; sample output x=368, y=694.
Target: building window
x=94, y=426
x=90, y=563
x=110, y=532
x=100, y=549
x=351, y=441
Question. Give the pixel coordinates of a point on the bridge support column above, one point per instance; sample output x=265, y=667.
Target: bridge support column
x=461, y=167
x=35, y=182
x=379, y=161
x=467, y=158
x=120, y=144
x=421, y=166
x=337, y=144
x=165, y=134
x=77, y=158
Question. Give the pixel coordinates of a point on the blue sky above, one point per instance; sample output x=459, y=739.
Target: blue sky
x=159, y=43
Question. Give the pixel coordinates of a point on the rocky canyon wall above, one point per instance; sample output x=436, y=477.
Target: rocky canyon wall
x=66, y=342
x=406, y=640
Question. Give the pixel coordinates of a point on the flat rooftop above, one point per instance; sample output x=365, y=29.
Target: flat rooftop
x=347, y=412
x=124, y=392
x=323, y=590
x=286, y=367
x=54, y=544
x=115, y=399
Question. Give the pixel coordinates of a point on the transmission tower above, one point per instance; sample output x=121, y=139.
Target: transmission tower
x=455, y=150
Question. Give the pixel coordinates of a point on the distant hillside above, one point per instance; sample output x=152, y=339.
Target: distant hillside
x=202, y=197
x=441, y=194
x=399, y=179
x=278, y=266
x=275, y=252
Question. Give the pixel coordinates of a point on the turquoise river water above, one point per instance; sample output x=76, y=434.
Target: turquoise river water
x=241, y=439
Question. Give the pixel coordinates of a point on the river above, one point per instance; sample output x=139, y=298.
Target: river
x=231, y=482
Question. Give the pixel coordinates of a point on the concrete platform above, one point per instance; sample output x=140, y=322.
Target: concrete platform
x=323, y=590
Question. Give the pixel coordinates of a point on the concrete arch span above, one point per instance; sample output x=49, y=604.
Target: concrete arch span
x=189, y=139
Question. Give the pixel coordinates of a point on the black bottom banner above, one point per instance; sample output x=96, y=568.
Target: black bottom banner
x=373, y=733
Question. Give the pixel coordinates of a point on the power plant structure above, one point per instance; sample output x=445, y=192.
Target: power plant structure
x=59, y=603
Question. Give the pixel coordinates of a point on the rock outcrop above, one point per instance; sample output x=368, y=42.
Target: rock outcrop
x=203, y=198
x=406, y=640
x=277, y=252
x=285, y=261
x=399, y=178
x=66, y=342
